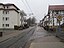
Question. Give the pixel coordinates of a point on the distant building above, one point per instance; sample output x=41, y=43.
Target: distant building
x=9, y=16
x=22, y=14
x=53, y=12
x=45, y=21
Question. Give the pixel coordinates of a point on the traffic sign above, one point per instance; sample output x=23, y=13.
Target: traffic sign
x=59, y=18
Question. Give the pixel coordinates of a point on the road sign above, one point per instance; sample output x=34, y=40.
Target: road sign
x=59, y=18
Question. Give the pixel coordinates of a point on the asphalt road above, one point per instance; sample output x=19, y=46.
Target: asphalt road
x=18, y=41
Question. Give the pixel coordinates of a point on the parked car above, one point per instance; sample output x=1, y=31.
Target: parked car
x=26, y=26
x=21, y=28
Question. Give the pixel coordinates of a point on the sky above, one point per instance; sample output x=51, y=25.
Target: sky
x=39, y=8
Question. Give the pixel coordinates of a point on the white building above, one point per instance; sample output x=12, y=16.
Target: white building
x=45, y=21
x=54, y=11
x=9, y=16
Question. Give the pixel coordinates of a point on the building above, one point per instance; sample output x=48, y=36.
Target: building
x=23, y=15
x=9, y=16
x=54, y=11
x=45, y=21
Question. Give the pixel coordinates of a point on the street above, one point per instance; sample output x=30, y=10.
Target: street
x=19, y=40
x=42, y=39
x=34, y=37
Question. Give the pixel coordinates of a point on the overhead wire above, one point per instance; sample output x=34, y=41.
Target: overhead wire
x=28, y=5
x=24, y=4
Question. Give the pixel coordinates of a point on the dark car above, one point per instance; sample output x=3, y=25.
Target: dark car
x=26, y=26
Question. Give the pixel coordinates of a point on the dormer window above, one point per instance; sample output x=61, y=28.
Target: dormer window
x=7, y=7
x=4, y=7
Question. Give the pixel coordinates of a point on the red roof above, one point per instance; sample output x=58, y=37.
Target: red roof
x=56, y=7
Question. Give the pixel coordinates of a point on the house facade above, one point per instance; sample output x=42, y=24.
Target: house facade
x=54, y=11
x=9, y=16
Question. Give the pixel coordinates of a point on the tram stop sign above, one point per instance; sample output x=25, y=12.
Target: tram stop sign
x=59, y=18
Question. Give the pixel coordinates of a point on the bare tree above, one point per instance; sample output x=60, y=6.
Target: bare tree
x=33, y=20
x=29, y=21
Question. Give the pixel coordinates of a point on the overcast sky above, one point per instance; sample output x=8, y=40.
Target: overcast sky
x=38, y=7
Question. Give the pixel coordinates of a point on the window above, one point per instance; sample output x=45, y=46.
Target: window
x=7, y=18
x=2, y=25
x=7, y=7
x=4, y=7
x=7, y=25
x=57, y=12
x=8, y=12
x=62, y=12
x=3, y=18
x=5, y=12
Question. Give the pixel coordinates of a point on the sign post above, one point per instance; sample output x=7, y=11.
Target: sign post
x=59, y=18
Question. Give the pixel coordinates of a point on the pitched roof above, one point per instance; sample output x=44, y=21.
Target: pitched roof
x=10, y=5
x=9, y=10
x=56, y=7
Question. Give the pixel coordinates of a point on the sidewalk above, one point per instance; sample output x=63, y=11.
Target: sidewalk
x=47, y=45
x=6, y=37
x=46, y=41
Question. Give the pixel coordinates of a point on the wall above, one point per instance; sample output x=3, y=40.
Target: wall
x=1, y=18
x=11, y=7
x=1, y=6
x=14, y=19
